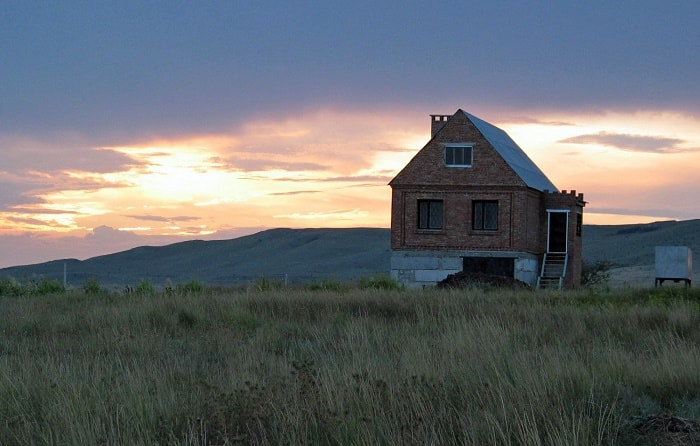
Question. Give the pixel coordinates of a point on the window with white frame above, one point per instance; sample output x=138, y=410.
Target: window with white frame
x=459, y=154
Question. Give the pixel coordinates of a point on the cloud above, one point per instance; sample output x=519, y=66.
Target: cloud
x=18, y=193
x=19, y=210
x=297, y=192
x=110, y=235
x=159, y=218
x=28, y=221
x=58, y=153
x=362, y=178
x=30, y=248
x=15, y=194
x=649, y=212
x=133, y=70
x=259, y=164
x=535, y=121
x=34, y=167
x=340, y=214
x=632, y=143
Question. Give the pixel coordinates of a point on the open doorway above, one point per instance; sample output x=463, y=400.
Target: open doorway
x=558, y=231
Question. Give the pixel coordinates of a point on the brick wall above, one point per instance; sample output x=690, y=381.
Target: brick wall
x=518, y=220
x=574, y=203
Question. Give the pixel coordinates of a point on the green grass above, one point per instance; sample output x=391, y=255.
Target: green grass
x=272, y=365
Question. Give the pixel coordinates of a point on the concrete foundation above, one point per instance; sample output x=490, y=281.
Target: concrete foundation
x=426, y=268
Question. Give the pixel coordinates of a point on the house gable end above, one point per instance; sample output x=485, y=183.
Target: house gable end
x=488, y=167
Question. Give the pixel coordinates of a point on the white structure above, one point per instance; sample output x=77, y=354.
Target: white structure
x=674, y=263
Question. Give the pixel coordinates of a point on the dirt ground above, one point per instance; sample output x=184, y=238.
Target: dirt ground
x=465, y=280
x=665, y=430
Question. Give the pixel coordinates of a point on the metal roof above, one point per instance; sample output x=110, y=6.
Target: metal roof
x=516, y=158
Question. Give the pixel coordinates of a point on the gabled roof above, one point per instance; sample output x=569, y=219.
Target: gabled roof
x=516, y=158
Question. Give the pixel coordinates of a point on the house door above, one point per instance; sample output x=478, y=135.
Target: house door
x=558, y=231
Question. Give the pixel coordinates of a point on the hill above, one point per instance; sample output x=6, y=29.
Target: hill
x=630, y=248
x=292, y=255
x=633, y=245
x=308, y=255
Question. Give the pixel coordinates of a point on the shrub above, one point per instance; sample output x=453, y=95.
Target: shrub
x=595, y=273
x=91, y=285
x=381, y=282
x=263, y=283
x=10, y=287
x=145, y=288
x=328, y=285
x=191, y=287
x=48, y=285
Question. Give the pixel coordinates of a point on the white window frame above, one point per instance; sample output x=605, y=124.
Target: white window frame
x=458, y=145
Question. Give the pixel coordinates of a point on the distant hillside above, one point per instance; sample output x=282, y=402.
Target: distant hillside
x=308, y=255
x=294, y=255
x=633, y=245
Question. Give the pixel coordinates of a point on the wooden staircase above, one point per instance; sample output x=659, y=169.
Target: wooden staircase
x=553, y=271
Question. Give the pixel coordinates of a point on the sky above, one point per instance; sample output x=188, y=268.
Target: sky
x=128, y=123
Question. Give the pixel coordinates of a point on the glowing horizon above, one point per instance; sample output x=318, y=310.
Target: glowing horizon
x=291, y=173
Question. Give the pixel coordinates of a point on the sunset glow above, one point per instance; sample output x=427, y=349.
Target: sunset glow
x=201, y=185
x=156, y=126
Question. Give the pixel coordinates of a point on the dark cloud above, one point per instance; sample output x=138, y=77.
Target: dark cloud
x=117, y=72
x=26, y=189
x=16, y=194
x=29, y=154
x=111, y=236
x=632, y=143
x=31, y=168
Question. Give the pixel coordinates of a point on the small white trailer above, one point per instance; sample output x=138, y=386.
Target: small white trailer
x=674, y=263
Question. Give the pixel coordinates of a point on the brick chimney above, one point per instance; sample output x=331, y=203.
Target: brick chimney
x=437, y=122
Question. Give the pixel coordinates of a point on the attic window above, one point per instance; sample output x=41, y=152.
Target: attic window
x=458, y=155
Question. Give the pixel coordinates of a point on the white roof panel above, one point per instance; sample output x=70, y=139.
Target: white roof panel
x=514, y=155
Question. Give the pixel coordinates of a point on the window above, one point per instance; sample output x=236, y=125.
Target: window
x=579, y=223
x=429, y=214
x=458, y=155
x=485, y=215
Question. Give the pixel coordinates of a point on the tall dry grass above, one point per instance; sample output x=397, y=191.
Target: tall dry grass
x=353, y=367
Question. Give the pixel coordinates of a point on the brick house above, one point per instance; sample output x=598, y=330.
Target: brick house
x=472, y=200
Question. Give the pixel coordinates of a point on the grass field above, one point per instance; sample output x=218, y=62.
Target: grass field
x=353, y=366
